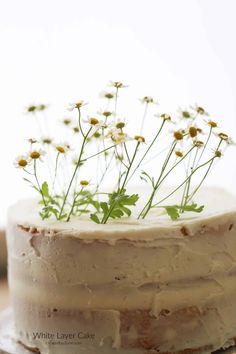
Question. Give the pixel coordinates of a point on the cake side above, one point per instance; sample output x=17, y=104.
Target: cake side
x=147, y=288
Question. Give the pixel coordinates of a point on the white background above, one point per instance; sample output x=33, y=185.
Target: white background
x=58, y=51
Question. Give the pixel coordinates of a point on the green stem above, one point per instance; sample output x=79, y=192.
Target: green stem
x=75, y=171
x=98, y=153
x=187, y=186
x=120, y=190
x=204, y=177
x=55, y=175
x=144, y=117
x=73, y=205
x=148, y=205
x=116, y=99
x=205, y=145
x=80, y=125
x=148, y=149
x=37, y=181
x=176, y=189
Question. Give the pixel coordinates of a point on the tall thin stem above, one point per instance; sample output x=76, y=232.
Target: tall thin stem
x=75, y=171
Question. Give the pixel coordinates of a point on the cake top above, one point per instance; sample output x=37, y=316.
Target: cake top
x=186, y=145
x=220, y=208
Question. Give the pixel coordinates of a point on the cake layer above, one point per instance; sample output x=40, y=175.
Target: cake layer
x=127, y=331
x=152, y=286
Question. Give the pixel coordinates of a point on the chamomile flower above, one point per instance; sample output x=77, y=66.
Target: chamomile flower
x=77, y=105
x=62, y=147
x=185, y=114
x=198, y=143
x=164, y=116
x=179, y=153
x=119, y=124
x=84, y=183
x=147, y=100
x=226, y=138
x=108, y=95
x=178, y=134
x=37, y=154
x=192, y=131
x=199, y=110
x=117, y=84
x=32, y=141
x=42, y=107
x=119, y=137
x=211, y=123
x=75, y=129
x=31, y=108
x=139, y=138
x=94, y=122
x=47, y=140
x=66, y=121
x=106, y=114
x=22, y=161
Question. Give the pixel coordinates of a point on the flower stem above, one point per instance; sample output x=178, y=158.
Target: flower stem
x=80, y=125
x=192, y=173
x=148, y=205
x=75, y=171
x=121, y=189
x=55, y=174
x=148, y=149
x=37, y=181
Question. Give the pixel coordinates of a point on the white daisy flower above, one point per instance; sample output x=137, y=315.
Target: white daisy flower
x=36, y=154
x=77, y=105
x=62, y=147
x=22, y=161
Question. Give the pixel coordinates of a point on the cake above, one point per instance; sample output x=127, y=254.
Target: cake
x=127, y=287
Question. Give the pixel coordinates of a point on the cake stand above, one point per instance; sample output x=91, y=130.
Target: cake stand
x=9, y=344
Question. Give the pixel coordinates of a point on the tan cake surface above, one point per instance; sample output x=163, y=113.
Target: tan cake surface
x=128, y=287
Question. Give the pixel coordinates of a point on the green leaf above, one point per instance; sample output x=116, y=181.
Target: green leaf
x=94, y=218
x=172, y=211
x=104, y=207
x=126, y=210
x=44, y=189
x=193, y=207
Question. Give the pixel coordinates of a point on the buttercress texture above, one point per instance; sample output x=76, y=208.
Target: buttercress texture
x=186, y=144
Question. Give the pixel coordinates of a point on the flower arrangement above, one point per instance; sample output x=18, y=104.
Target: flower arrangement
x=191, y=143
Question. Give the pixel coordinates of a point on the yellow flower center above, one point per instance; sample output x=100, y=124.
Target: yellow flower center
x=193, y=132
x=66, y=121
x=22, y=163
x=186, y=114
x=79, y=104
x=148, y=99
x=84, y=183
x=212, y=124
x=107, y=113
x=165, y=116
x=179, y=154
x=200, y=110
x=35, y=155
x=199, y=143
x=60, y=149
x=93, y=121
x=120, y=125
x=118, y=84
x=178, y=135
x=109, y=95
x=223, y=136
x=139, y=138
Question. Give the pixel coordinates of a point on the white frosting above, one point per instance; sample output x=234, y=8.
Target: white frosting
x=97, y=274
